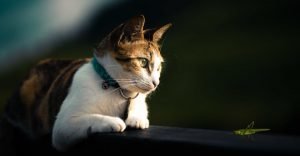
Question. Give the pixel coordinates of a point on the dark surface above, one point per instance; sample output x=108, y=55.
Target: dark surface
x=158, y=139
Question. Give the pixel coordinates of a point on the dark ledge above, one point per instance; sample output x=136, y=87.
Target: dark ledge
x=158, y=139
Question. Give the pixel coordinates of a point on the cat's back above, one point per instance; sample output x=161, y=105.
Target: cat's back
x=35, y=103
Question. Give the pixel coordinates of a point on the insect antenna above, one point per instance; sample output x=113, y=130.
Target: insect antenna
x=251, y=125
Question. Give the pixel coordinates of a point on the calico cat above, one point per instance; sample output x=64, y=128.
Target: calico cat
x=106, y=93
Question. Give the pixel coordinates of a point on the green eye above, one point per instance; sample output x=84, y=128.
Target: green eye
x=144, y=62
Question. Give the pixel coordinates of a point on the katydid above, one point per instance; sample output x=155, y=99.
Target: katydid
x=249, y=130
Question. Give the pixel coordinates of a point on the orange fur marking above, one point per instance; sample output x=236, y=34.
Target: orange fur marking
x=29, y=88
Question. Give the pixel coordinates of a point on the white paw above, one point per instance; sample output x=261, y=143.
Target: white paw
x=137, y=122
x=111, y=124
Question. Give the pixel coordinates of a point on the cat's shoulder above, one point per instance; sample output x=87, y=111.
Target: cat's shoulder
x=48, y=70
x=46, y=76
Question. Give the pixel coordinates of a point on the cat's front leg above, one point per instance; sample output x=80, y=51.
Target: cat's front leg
x=138, y=114
x=70, y=130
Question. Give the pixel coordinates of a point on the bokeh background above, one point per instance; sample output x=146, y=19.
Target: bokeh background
x=227, y=62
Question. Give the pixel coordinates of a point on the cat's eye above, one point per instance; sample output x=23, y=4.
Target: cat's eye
x=144, y=62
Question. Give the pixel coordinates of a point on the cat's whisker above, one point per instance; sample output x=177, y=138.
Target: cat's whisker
x=143, y=82
x=120, y=79
x=139, y=80
x=125, y=86
x=123, y=80
x=146, y=86
x=115, y=89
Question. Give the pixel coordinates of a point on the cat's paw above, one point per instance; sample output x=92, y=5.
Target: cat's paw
x=137, y=122
x=111, y=124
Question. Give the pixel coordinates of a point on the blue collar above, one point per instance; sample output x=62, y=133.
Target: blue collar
x=108, y=80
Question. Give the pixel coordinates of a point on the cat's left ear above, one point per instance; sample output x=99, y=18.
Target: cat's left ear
x=156, y=34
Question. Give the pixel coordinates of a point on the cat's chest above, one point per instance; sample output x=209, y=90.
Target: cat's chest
x=92, y=97
x=110, y=102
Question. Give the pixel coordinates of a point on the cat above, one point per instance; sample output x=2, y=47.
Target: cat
x=70, y=99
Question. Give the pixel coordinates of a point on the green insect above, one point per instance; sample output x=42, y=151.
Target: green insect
x=249, y=130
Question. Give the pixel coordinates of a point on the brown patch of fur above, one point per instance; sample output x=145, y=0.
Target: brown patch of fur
x=45, y=61
x=56, y=94
x=29, y=88
x=35, y=104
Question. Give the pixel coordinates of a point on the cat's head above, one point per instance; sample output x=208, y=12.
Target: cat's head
x=131, y=55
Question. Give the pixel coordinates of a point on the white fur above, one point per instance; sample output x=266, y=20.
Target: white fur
x=89, y=107
x=156, y=73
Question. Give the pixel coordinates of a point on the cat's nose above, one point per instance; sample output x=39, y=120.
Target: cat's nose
x=154, y=84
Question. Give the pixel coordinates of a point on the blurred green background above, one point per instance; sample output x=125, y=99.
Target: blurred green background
x=227, y=62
